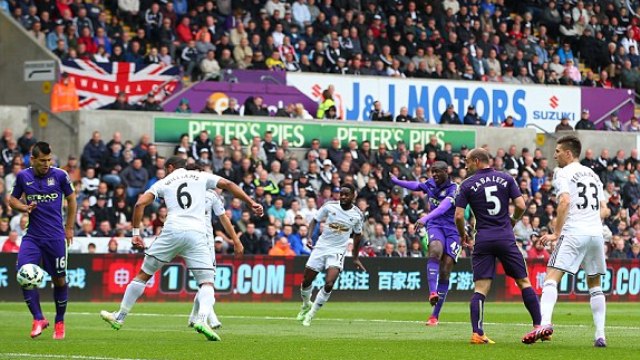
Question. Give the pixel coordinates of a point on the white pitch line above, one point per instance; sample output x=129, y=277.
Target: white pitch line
x=50, y=356
x=284, y=318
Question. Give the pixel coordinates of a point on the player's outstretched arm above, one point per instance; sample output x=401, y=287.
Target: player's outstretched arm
x=444, y=206
x=138, y=211
x=411, y=185
x=72, y=207
x=240, y=194
x=238, y=248
x=357, y=238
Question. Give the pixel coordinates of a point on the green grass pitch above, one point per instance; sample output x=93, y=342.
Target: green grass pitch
x=361, y=331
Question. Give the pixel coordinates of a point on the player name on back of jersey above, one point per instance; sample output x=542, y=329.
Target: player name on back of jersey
x=488, y=180
x=182, y=176
x=582, y=174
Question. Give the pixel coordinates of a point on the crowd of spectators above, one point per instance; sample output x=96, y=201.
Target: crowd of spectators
x=520, y=42
x=293, y=184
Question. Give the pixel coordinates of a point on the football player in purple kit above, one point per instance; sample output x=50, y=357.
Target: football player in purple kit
x=45, y=188
x=488, y=192
x=444, y=240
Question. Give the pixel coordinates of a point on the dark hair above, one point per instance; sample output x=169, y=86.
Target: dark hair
x=571, y=143
x=480, y=154
x=350, y=187
x=177, y=162
x=40, y=147
x=440, y=165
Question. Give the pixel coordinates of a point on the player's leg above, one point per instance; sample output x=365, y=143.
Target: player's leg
x=54, y=259
x=306, y=290
x=134, y=291
x=483, y=263
x=213, y=320
x=29, y=253
x=446, y=265
x=323, y=295
x=594, y=265
x=436, y=250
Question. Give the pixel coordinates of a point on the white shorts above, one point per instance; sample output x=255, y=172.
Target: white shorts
x=321, y=259
x=191, y=246
x=212, y=248
x=575, y=250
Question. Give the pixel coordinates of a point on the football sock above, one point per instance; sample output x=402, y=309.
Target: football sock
x=443, y=288
x=213, y=318
x=60, y=296
x=599, y=310
x=194, y=309
x=433, y=268
x=477, y=313
x=135, y=289
x=305, y=293
x=548, y=300
x=532, y=304
x=206, y=297
x=321, y=298
x=32, y=298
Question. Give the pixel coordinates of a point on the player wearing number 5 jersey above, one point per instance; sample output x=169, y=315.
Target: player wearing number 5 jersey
x=578, y=230
x=488, y=192
x=45, y=188
x=183, y=234
x=341, y=219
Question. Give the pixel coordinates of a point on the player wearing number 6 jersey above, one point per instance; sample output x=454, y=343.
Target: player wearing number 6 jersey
x=44, y=188
x=581, y=208
x=183, y=234
x=341, y=219
x=488, y=192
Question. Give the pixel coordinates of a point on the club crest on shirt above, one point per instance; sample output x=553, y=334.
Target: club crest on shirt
x=443, y=192
x=51, y=181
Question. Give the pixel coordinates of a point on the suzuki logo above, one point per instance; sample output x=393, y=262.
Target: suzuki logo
x=554, y=102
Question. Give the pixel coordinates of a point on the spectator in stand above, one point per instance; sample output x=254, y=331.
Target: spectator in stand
x=508, y=122
x=327, y=102
x=584, y=123
x=472, y=118
x=377, y=114
x=450, y=116
x=183, y=106
x=404, y=116
x=564, y=125
x=613, y=124
x=209, y=66
x=11, y=243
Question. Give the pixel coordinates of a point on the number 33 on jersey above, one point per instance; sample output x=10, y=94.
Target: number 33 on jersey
x=585, y=194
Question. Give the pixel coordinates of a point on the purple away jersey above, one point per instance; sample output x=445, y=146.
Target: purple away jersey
x=488, y=193
x=49, y=191
x=436, y=194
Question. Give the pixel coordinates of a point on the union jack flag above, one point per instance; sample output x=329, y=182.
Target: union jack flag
x=98, y=84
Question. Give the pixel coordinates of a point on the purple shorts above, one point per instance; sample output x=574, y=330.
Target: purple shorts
x=52, y=254
x=483, y=260
x=449, y=238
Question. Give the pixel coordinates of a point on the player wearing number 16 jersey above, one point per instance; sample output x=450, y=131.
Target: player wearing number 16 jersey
x=341, y=219
x=581, y=208
x=488, y=192
x=183, y=234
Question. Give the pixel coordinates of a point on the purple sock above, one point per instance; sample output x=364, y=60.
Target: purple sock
x=433, y=268
x=60, y=295
x=32, y=298
x=532, y=304
x=443, y=288
x=477, y=313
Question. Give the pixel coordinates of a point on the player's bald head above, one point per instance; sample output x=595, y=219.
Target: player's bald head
x=479, y=154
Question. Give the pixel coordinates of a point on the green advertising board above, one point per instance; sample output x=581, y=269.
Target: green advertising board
x=300, y=134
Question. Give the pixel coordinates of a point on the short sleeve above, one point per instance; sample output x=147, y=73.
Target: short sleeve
x=600, y=190
x=322, y=213
x=212, y=180
x=217, y=205
x=451, y=193
x=357, y=227
x=66, y=184
x=461, y=200
x=514, y=190
x=560, y=182
x=156, y=190
x=18, y=189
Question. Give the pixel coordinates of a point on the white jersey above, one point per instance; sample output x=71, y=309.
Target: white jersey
x=183, y=192
x=585, y=192
x=338, y=225
x=214, y=205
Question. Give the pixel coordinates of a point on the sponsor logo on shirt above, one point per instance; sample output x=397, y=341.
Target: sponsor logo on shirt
x=42, y=198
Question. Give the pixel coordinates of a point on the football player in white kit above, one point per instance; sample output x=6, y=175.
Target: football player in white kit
x=183, y=234
x=581, y=208
x=341, y=219
x=215, y=205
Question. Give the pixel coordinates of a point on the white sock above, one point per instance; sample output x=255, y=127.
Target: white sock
x=213, y=318
x=206, y=297
x=135, y=289
x=321, y=298
x=599, y=310
x=306, y=295
x=194, y=309
x=548, y=300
